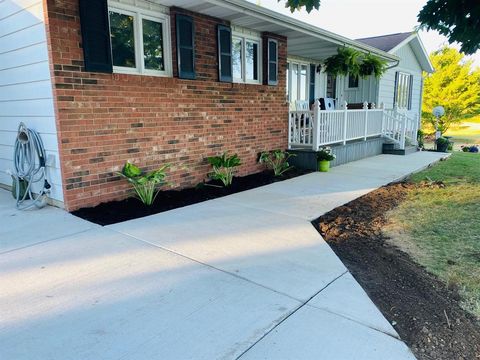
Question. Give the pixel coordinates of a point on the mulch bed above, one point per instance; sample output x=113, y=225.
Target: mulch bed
x=116, y=211
x=412, y=299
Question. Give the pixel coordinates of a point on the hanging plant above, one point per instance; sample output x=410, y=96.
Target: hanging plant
x=346, y=61
x=372, y=65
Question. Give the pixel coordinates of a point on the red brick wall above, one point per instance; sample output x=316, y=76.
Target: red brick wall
x=104, y=120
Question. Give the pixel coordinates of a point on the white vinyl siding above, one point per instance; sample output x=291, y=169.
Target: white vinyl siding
x=410, y=65
x=25, y=85
x=366, y=90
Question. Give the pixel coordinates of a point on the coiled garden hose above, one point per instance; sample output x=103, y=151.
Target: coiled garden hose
x=29, y=161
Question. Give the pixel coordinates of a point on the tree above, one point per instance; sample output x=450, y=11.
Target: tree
x=458, y=20
x=298, y=4
x=454, y=85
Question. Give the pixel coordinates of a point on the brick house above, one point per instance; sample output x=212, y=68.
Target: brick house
x=161, y=81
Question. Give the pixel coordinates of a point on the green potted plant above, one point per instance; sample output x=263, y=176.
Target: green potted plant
x=372, y=65
x=324, y=156
x=442, y=144
x=345, y=61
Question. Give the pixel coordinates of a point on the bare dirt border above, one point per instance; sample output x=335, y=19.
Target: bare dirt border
x=426, y=314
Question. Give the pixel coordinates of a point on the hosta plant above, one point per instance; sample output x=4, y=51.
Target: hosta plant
x=145, y=184
x=224, y=167
x=277, y=160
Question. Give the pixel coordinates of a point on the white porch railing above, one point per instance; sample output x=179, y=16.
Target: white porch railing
x=314, y=129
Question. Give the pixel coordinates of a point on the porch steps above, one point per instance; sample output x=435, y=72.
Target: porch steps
x=391, y=149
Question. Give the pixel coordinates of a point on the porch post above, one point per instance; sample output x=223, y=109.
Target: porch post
x=382, y=106
x=365, y=108
x=316, y=125
x=290, y=128
x=403, y=133
x=345, y=116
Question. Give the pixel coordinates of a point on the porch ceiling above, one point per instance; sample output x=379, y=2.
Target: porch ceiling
x=304, y=40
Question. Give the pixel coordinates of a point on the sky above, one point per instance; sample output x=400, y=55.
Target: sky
x=356, y=19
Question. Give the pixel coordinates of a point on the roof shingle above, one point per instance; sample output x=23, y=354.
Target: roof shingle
x=385, y=42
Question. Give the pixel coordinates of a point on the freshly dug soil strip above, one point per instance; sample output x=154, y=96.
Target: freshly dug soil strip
x=116, y=211
x=412, y=299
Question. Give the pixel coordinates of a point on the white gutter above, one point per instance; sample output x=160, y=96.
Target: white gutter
x=248, y=8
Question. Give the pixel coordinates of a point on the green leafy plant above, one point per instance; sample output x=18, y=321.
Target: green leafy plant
x=442, y=141
x=372, y=65
x=224, y=167
x=345, y=61
x=145, y=184
x=420, y=138
x=277, y=160
x=325, y=154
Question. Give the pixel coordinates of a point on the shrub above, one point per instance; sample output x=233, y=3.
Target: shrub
x=224, y=167
x=325, y=154
x=421, y=138
x=442, y=141
x=145, y=184
x=277, y=160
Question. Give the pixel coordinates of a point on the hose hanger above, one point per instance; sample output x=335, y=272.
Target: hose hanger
x=30, y=186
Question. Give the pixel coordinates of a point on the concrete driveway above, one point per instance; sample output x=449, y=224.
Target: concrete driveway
x=245, y=276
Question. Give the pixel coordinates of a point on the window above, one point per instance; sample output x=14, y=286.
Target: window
x=272, y=62
x=403, y=90
x=352, y=82
x=298, y=81
x=140, y=42
x=246, y=59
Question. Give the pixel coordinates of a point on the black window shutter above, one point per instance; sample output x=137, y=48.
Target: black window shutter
x=395, y=88
x=272, y=62
x=185, y=47
x=97, y=50
x=224, y=53
x=312, y=83
x=410, y=92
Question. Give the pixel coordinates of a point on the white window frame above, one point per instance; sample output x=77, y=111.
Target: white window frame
x=289, y=82
x=404, y=97
x=138, y=16
x=255, y=39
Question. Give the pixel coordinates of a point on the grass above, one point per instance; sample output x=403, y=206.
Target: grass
x=440, y=226
x=466, y=133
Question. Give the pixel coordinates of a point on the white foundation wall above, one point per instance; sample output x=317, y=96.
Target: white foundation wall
x=26, y=86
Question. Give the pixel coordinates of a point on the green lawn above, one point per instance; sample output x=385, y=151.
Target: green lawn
x=440, y=226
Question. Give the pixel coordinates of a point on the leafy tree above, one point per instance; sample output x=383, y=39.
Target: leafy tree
x=298, y=4
x=455, y=85
x=458, y=20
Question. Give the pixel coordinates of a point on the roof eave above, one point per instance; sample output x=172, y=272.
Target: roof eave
x=280, y=19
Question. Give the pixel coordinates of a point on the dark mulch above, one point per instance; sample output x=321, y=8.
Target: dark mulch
x=116, y=211
x=405, y=292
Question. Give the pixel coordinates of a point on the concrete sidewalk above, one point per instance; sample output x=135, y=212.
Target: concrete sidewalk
x=244, y=276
